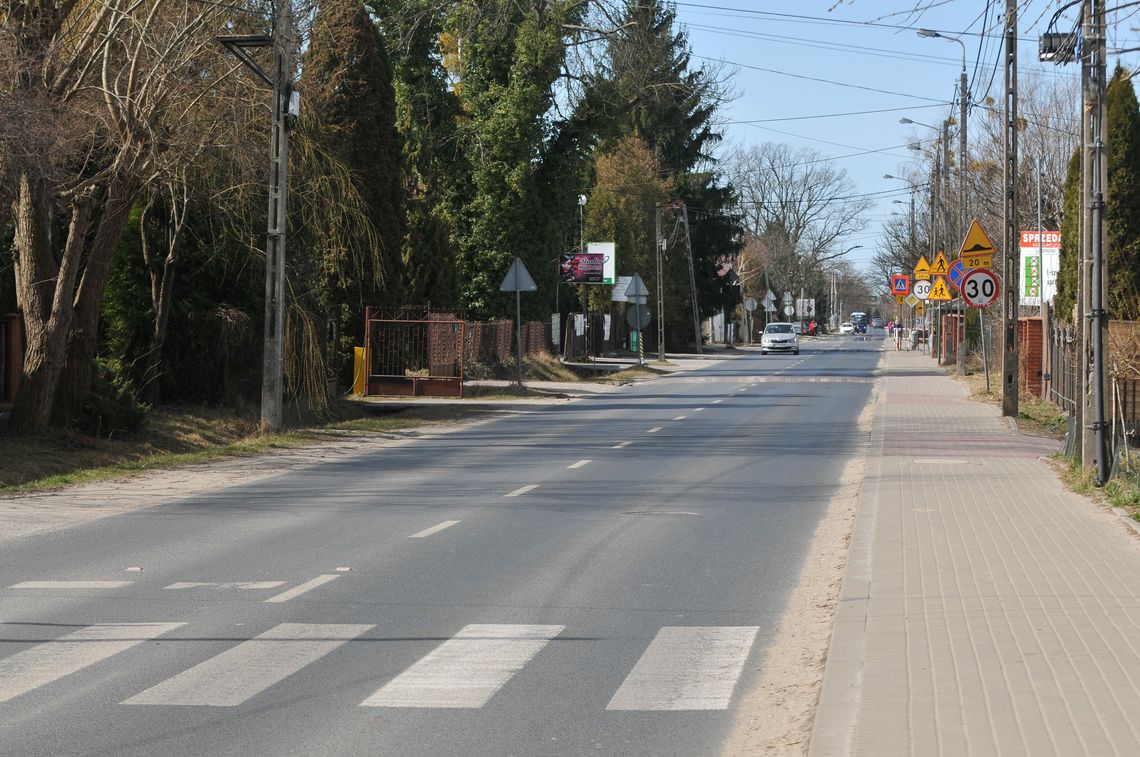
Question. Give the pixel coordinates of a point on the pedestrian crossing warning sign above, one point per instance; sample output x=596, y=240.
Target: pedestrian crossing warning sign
x=940, y=290
x=941, y=265
x=977, y=248
x=922, y=268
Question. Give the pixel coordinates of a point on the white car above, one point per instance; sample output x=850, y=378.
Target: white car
x=847, y=328
x=779, y=337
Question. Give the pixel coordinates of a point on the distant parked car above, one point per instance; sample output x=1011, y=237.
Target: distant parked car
x=779, y=337
x=847, y=328
x=877, y=322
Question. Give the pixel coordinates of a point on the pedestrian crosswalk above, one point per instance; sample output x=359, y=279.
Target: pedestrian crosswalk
x=683, y=668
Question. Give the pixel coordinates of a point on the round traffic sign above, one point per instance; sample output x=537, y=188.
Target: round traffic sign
x=956, y=272
x=637, y=316
x=750, y=304
x=921, y=289
x=788, y=310
x=980, y=287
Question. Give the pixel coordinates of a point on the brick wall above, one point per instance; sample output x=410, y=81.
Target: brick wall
x=1029, y=344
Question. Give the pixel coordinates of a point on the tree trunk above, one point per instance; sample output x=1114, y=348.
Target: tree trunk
x=162, y=276
x=45, y=292
x=82, y=339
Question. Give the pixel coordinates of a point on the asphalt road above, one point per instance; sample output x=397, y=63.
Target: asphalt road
x=597, y=577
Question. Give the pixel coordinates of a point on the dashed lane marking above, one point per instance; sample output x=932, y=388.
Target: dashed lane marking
x=579, y=464
x=621, y=445
x=521, y=490
x=297, y=591
x=654, y=430
x=239, y=585
x=433, y=530
x=70, y=585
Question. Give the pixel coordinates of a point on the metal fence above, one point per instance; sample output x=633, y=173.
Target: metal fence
x=1063, y=368
x=1126, y=411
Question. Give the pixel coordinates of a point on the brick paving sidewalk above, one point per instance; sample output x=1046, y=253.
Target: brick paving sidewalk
x=984, y=609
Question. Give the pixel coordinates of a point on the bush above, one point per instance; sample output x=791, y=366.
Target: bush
x=112, y=405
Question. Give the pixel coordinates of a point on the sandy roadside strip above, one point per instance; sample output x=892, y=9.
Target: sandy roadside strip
x=776, y=715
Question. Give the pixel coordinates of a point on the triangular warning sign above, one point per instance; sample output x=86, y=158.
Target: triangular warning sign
x=977, y=242
x=922, y=268
x=940, y=265
x=940, y=290
x=518, y=279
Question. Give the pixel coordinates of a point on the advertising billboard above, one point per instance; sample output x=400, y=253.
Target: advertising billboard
x=595, y=266
x=1040, y=262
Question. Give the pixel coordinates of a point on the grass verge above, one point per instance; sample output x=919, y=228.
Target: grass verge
x=1122, y=492
x=184, y=436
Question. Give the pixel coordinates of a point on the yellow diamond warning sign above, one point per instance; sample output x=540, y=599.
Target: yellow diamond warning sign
x=922, y=268
x=977, y=249
x=940, y=265
x=940, y=290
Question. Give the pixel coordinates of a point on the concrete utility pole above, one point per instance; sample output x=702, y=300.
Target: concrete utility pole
x=283, y=114
x=1094, y=446
x=1012, y=237
x=273, y=363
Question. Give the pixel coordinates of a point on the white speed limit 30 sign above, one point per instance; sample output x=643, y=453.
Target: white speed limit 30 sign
x=980, y=288
x=921, y=289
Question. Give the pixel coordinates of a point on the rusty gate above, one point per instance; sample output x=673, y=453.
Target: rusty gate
x=414, y=357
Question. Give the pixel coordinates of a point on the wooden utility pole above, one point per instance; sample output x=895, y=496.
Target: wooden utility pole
x=659, y=241
x=692, y=280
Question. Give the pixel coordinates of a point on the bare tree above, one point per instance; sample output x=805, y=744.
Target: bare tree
x=104, y=88
x=798, y=206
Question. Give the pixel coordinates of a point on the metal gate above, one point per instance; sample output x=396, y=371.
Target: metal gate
x=414, y=357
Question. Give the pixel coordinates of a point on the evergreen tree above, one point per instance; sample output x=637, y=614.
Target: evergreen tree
x=1122, y=196
x=654, y=95
x=510, y=55
x=348, y=81
x=435, y=169
x=1066, y=297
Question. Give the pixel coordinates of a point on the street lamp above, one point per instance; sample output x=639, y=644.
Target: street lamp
x=963, y=104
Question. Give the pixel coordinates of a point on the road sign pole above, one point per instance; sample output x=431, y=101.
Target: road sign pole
x=518, y=331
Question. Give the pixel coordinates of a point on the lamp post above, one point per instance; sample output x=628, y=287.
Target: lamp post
x=963, y=105
x=963, y=166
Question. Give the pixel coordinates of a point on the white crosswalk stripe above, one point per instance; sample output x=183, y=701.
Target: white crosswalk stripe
x=687, y=668
x=682, y=669
x=52, y=660
x=466, y=670
x=251, y=667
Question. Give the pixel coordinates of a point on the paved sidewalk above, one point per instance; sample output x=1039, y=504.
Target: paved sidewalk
x=984, y=609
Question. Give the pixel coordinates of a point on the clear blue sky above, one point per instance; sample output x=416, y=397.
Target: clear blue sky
x=863, y=56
